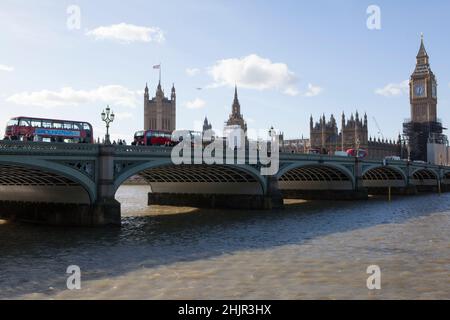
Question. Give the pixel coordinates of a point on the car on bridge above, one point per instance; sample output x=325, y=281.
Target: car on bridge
x=48, y=130
x=394, y=158
x=341, y=154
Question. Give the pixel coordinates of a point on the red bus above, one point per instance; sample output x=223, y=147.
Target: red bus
x=48, y=130
x=153, y=138
x=360, y=153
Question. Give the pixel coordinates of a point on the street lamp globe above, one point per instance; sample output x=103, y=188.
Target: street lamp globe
x=107, y=117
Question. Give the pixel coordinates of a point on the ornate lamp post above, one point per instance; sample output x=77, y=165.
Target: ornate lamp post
x=408, y=147
x=107, y=117
x=358, y=144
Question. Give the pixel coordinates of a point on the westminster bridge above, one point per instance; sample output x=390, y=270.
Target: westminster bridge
x=75, y=184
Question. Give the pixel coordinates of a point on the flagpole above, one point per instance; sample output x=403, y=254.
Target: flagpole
x=160, y=72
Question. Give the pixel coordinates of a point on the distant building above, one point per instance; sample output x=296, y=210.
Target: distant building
x=380, y=148
x=324, y=135
x=295, y=145
x=206, y=125
x=160, y=112
x=236, y=118
x=235, y=129
x=326, y=138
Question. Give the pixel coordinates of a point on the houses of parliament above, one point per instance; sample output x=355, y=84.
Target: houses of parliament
x=422, y=134
x=419, y=132
x=326, y=138
x=160, y=111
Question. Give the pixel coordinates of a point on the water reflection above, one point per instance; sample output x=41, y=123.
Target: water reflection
x=307, y=240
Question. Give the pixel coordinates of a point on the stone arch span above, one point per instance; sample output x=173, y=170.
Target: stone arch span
x=165, y=177
x=424, y=177
x=384, y=176
x=315, y=177
x=40, y=181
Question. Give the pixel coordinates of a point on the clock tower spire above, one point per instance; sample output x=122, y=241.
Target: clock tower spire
x=424, y=126
x=423, y=89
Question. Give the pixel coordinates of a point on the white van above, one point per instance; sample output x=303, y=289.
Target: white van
x=341, y=154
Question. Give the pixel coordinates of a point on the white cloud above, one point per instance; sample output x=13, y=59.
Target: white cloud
x=195, y=104
x=115, y=95
x=127, y=33
x=313, y=90
x=123, y=115
x=291, y=91
x=192, y=72
x=253, y=72
x=394, y=89
x=6, y=68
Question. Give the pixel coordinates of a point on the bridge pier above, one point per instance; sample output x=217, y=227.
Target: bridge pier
x=62, y=214
x=272, y=199
x=224, y=201
x=334, y=195
x=400, y=191
x=445, y=188
x=427, y=189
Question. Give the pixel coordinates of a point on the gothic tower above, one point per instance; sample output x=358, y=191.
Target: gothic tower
x=206, y=125
x=424, y=125
x=423, y=89
x=236, y=118
x=160, y=112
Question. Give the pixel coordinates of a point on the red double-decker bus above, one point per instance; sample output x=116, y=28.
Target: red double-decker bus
x=153, y=138
x=358, y=153
x=48, y=130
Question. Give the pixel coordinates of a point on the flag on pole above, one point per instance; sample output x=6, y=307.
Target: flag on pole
x=158, y=66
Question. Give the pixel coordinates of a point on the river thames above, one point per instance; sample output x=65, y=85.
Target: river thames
x=309, y=250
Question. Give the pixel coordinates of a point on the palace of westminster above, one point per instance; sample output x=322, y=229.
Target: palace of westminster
x=422, y=129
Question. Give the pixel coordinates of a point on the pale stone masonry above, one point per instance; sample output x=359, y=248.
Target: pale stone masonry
x=160, y=111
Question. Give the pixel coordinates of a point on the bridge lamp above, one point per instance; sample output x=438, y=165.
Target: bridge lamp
x=107, y=118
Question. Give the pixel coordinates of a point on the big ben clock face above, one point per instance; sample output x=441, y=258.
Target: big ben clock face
x=419, y=89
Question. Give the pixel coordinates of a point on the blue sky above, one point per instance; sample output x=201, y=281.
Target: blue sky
x=290, y=59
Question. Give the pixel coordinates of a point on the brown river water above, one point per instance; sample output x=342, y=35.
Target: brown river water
x=309, y=250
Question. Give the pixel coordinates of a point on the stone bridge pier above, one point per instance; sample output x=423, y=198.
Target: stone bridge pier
x=106, y=209
x=236, y=197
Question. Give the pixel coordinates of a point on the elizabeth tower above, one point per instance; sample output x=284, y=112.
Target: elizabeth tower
x=423, y=126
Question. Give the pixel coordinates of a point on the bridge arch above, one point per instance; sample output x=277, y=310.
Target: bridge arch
x=424, y=177
x=164, y=176
x=35, y=180
x=313, y=176
x=384, y=176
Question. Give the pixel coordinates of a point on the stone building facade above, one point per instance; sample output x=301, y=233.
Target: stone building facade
x=326, y=138
x=206, y=125
x=294, y=145
x=160, y=111
x=236, y=119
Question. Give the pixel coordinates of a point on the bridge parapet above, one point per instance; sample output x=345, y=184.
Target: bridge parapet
x=39, y=148
x=141, y=150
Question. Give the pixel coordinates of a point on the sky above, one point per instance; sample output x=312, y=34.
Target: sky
x=289, y=59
